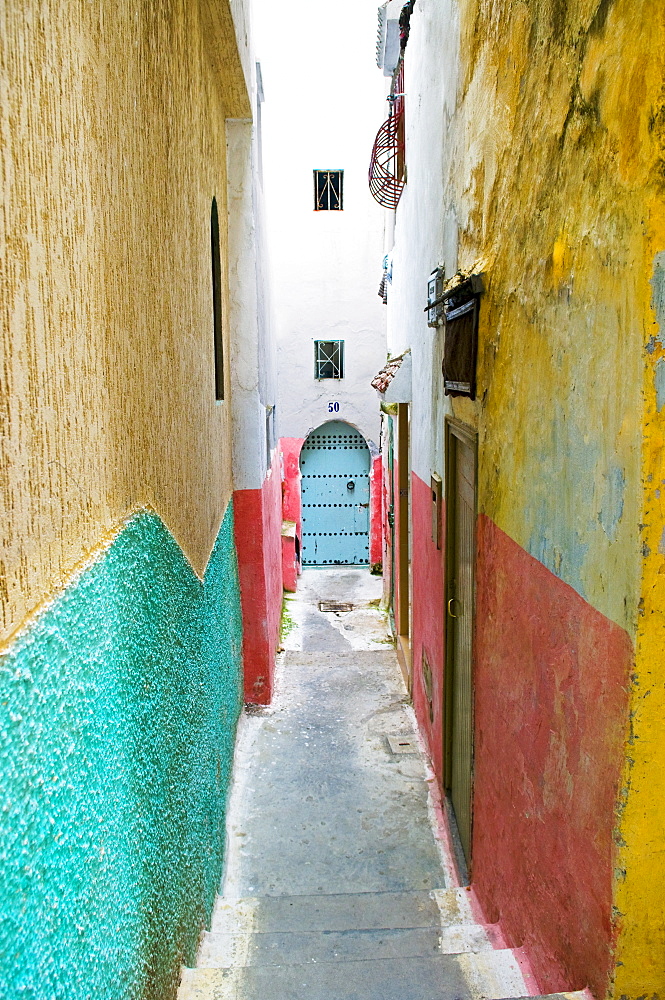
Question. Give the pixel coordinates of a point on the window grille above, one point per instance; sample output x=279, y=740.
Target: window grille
x=328, y=359
x=328, y=193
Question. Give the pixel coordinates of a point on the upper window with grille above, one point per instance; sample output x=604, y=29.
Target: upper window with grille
x=328, y=191
x=328, y=359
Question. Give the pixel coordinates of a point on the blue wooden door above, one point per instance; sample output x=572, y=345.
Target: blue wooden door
x=334, y=464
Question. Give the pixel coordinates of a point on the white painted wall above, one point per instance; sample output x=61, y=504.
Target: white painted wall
x=324, y=102
x=425, y=225
x=253, y=356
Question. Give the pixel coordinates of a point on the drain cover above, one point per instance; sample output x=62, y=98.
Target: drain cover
x=402, y=744
x=334, y=606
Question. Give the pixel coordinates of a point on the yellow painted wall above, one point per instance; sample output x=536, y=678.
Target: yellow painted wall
x=554, y=161
x=640, y=888
x=113, y=145
x=558, y=173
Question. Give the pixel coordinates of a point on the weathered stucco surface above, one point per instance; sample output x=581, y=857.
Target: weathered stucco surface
x=560, y=158
x=119, y=708
x=640, y=874
x=563, y=144
x=113, y=146
x=535, y=151
x=258, y=530
x=562, y=151
x=552, y=691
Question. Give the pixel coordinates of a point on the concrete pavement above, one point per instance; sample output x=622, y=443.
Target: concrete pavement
x=337, y=886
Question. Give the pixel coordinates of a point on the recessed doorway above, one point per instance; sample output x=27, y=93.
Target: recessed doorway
x=335, y=466
x=459, y=616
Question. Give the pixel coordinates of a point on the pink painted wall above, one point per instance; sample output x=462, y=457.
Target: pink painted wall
x=258, y=523
x=427, y=569
x=387, y=538
x=551, y=702
x=399, y=528
x=291, y=509
x=290, y=567
x=551, y=680
x=376, y=512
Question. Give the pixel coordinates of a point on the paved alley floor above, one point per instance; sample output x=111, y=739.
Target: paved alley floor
x=336, y=887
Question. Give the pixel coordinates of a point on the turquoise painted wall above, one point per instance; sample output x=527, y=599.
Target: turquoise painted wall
x=119, y=709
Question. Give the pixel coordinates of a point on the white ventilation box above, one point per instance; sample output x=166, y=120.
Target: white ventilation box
x=387, y=41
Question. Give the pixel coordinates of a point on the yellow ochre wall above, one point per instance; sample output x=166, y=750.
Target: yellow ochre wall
x=558, y=174
x=559, y=159
x=113, y=145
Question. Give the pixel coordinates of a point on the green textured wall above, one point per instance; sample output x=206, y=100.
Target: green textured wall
x=119, y=708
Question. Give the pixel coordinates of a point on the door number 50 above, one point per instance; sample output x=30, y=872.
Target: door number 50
x=333, y=407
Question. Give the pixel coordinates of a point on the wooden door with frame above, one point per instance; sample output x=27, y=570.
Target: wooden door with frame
x=461, y=500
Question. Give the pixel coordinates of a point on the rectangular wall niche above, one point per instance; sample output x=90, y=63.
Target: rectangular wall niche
x=461, y=337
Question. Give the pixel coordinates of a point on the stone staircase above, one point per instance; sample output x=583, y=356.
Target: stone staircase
x=336, y=885
x=418, y=945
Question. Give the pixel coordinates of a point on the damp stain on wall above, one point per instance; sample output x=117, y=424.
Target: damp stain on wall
x=119, y=706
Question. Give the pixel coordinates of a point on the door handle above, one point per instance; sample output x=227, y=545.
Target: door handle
x=450, y=602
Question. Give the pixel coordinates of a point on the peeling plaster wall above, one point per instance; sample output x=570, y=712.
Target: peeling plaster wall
x=119, y=707
x=535, y=150
x=113, y=146
x=564, y=282
x=640, y=866
x=561, y=133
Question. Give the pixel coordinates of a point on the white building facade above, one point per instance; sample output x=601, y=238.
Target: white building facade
x=326, y=240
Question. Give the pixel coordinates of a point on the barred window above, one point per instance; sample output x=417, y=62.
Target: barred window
x=328, y=190
x=328, y=359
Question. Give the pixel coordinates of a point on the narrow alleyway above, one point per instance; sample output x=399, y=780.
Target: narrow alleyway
x=336, y=886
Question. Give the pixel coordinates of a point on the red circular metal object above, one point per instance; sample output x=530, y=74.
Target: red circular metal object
x=386, y=169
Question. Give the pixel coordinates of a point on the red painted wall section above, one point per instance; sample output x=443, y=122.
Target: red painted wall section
x=397, y=596
x=551, y=704
x=428, y=624
x=387, y=537
x=376, y=512
x=258, y=523
x=289, y=563
x=291, y=509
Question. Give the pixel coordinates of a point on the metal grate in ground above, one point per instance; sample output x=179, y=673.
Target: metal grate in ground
x=335, y=606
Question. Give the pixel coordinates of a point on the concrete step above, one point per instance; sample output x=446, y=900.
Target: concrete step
x=459, y=930
x=396, y=979
x=574, y=995
x=217, y=950
x=435, y=978
x=294, y=930
x=454, y=906
x=336, y=912
x=491, y=974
